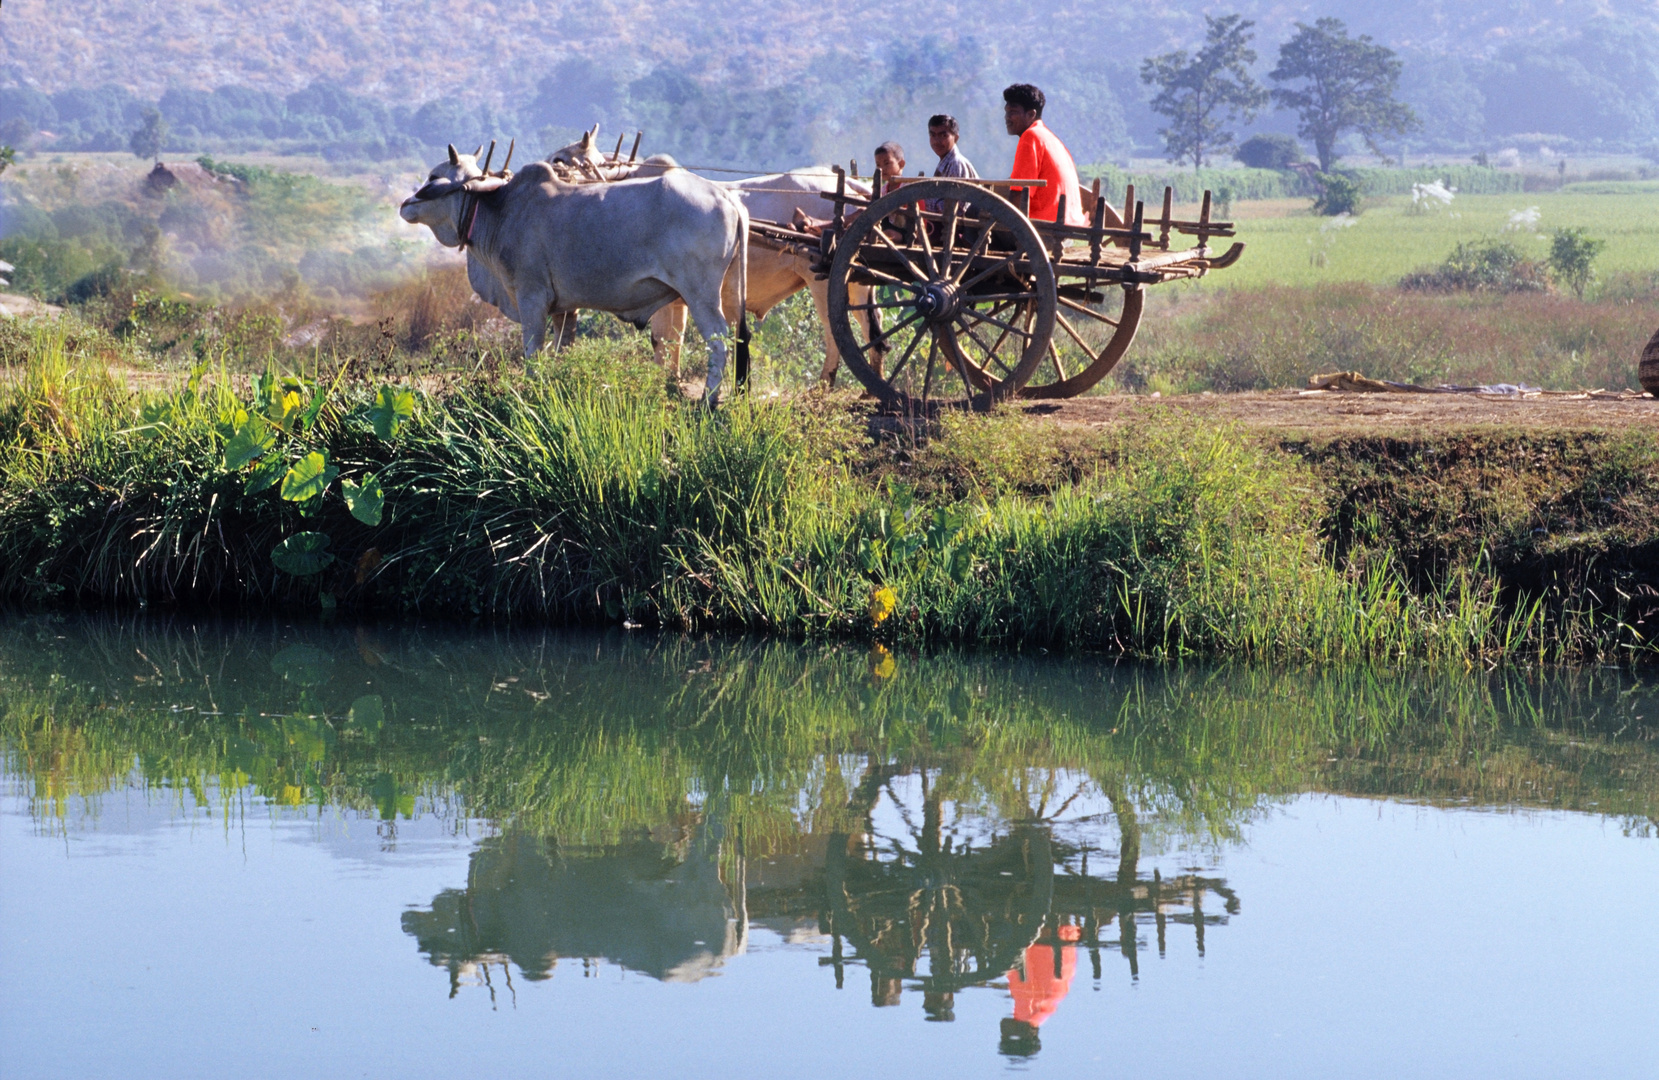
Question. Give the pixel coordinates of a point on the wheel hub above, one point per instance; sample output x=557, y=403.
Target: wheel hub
x=937, y=301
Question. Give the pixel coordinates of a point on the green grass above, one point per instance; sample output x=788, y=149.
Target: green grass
x=1386, y=242
x=587, y=493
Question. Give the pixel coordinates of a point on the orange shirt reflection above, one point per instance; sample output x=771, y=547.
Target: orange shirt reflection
x=1040, y=990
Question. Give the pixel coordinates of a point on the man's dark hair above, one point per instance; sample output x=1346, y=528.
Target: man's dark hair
x=1027, y=97
x=891, y=149
x=946, y=121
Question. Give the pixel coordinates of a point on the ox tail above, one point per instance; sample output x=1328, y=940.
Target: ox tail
x=742, y=295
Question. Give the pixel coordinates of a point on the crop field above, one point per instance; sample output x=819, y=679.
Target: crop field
x=1287, y=244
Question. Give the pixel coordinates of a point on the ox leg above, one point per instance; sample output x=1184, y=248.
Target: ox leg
x=712, y=325
x=856, y=294
x=564, y=329
x=667, y=336
x=533, y=310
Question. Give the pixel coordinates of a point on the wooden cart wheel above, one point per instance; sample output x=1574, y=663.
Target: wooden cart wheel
x=1093, y=336
x=976, y=296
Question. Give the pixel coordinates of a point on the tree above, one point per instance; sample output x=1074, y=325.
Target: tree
x=1203, y=94
x=1348, y=84
x=1269, y=151
x=149, y=137
x=1573, y=257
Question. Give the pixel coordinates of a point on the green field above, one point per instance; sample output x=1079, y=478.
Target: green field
x=1285, y=240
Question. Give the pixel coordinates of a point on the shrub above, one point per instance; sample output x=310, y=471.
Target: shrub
x=1339, y=194
x=1490, y=265
x=1573, y=257
x=1269, y=151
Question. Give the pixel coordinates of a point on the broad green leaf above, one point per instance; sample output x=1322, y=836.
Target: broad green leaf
x=393, y=407
x=253, y=440
x=267, y=474
x=308, y=477
x=366, y=500
x=154, y=415
x=303, y=554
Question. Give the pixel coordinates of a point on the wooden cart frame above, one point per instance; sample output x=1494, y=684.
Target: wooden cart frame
x=976, y=303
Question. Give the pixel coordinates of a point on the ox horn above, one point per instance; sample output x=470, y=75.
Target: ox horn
x=508, y=160
x=454, y=156
x=486, y=169
x=587, y=139
x=478, y=151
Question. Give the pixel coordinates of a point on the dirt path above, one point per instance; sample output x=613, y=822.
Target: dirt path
x=1335, y=414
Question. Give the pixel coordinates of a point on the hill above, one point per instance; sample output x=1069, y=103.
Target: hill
x=764, y=83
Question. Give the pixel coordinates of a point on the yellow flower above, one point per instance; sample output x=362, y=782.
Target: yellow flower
x=882, y=665
x=882, y=603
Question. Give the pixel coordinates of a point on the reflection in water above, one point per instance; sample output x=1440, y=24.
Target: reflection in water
x=952, y=824
x=660, y=908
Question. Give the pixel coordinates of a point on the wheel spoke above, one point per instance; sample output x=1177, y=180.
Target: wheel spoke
x=951, y=217
x=990, y=354
x=927, y=242
x=1007, y=297
x=1054, y=354
x=981, y=242
x=1065, y=323
x=882, y=337
x=1006, y=264
x=893, y=372
x=876, y=306
x=1085, y=310
x=932, y=355
x=994, y=322
x=882, y=276
x=915, y=274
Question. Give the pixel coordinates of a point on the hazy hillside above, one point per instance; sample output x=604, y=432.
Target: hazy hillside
x=768, y=83
x=489, y=47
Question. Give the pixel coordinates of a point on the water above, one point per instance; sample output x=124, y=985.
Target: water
x=257, y=849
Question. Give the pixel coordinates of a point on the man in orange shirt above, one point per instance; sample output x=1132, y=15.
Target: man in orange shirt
x=1041, y=156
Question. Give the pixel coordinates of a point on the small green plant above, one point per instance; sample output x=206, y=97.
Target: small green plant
x=1573, y=257
x=280, y=439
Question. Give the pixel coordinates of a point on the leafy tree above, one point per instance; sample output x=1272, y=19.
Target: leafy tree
x=1270, y=151
x=1573, y=257
x=1204, y=93
x=150, y=136
x=1347, y=84
x=8, y=155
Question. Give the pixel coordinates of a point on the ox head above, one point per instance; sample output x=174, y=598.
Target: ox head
x=583, y=156
x=438, y=203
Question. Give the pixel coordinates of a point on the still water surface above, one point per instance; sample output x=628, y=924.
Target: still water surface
x=260, y=849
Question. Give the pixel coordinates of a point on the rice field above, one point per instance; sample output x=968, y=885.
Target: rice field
x=1288, y=245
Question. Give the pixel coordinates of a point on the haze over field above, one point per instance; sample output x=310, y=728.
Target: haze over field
x=772, y=83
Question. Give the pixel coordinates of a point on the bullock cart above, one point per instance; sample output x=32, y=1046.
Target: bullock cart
x=972, y=300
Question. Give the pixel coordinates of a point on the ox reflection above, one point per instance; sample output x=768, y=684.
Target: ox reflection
x=659, y=905
x=926, y=895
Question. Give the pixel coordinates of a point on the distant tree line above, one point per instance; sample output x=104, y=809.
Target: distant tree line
x=1599, y=86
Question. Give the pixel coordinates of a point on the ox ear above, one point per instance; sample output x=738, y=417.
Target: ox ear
x=454, y=158
x=485, y=184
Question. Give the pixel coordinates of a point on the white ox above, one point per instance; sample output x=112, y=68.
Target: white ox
x=774, y=275
x=537, y=246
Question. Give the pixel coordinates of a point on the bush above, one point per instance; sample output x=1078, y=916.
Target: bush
x=1482, y=265
x=1272, y=151
x=1340, y=194
x=1573, y=257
